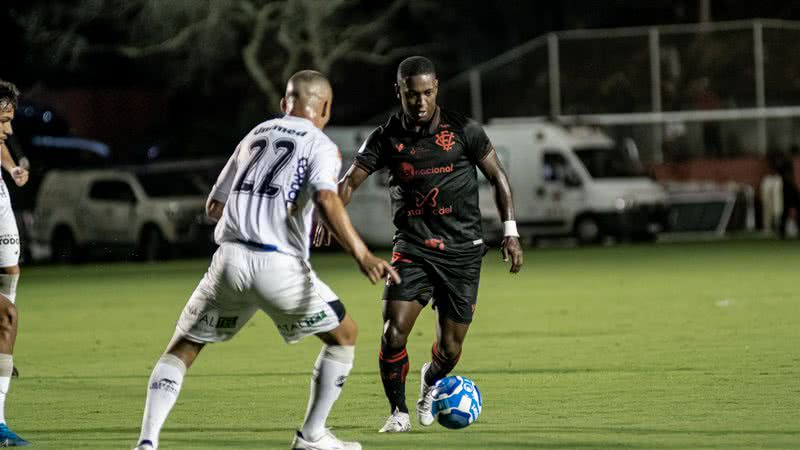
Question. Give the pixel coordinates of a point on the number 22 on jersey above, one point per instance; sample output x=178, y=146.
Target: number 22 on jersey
x=283, y=149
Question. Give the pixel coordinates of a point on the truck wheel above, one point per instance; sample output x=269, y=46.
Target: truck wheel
x=152, y=246
x=587, y=230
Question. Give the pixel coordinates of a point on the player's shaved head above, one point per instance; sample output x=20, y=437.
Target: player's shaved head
x=415, y=65
x=309, y=85
x=308, y=94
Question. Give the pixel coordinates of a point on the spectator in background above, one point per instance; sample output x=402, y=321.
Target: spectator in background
x=771, y=191
x=791, y=196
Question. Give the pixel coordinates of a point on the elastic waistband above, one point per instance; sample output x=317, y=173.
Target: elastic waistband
x=259, y=246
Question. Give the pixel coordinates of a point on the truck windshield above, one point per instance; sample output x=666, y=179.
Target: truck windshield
x=173, y=184
x=609, y=162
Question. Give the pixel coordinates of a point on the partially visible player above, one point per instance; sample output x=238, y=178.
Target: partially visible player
x=431, y=154
x=9, y=260
x=263, y=200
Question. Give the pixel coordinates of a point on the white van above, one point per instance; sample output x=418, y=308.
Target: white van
x=576, y=180
x=567, y=181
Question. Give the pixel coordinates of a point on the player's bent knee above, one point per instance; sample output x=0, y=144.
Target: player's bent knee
x=11, y=270
x=394, y=337
x=449, y=350
x=184, y=349
x=8, y=320
x=344, y=334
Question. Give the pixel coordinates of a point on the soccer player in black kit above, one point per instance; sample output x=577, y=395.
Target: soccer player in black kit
x=431, y=154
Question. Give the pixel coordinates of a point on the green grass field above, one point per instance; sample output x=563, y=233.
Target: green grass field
x=667, y=346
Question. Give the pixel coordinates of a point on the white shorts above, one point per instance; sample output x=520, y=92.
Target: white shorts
x=9, y=234
x=241, y=281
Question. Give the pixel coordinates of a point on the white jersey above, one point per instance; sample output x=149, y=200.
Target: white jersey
x=268, y=183
x=9, y=235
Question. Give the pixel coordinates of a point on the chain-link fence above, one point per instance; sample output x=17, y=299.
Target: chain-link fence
x=712, y=89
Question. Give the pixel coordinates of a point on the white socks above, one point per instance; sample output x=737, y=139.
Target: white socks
x=163, y=389
x=330, y=372
x=6, y=367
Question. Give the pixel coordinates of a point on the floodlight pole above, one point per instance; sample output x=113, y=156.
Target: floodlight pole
x=758, y=56
x=655, y=93
x=554, y=73
x=475, y=96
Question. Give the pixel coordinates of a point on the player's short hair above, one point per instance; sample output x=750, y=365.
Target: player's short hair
x=307, y=83
x=415, y=65
x=9, y=94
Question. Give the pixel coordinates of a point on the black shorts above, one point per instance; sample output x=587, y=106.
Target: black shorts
x=453, y=288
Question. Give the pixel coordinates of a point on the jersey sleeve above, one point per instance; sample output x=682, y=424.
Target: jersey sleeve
x=324, y=166
x=370, y=155
x=478, y=144
x=225, y=179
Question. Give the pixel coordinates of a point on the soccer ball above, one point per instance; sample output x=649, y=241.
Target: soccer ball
x=457, y=402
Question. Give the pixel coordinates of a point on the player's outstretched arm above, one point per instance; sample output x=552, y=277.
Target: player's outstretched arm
x=493, y=170
x=331, y=211
x=347, y=185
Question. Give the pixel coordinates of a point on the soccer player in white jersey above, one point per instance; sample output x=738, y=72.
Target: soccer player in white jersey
x=9, y=260
x=264, y=200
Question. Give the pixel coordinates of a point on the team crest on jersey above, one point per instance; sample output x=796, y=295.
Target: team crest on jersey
x=445, y=139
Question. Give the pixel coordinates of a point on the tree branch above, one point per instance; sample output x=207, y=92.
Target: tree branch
x=390, y=56
x=250, y=53
x=169, y=45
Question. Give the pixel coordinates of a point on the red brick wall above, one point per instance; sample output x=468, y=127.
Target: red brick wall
x=749, y=170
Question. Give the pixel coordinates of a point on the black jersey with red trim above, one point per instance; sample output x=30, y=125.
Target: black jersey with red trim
x=433, y=181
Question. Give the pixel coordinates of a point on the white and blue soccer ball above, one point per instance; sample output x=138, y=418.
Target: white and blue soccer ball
x=457, y=402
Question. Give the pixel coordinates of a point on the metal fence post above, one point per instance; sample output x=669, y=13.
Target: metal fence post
x=758, y=59
x=475, y=95
x=655, y=93
x=554, y=74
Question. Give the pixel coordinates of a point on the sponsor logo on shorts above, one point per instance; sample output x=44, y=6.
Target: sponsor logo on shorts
x=340, y=381
x=305, y=322
x=227, y=322
x=211, y=320
x=435, y=243
x=165, y=384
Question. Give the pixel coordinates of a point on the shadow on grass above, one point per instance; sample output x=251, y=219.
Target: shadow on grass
x=225, y=437
x=645, y=431
x=498, y=371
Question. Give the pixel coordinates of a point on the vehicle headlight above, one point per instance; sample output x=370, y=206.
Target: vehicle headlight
x=173, y=213
x=621, y=203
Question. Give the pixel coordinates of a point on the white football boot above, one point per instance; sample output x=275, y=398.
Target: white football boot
x=327, y=442
x=398, y=422
x=144, y=447
x=425, y=401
